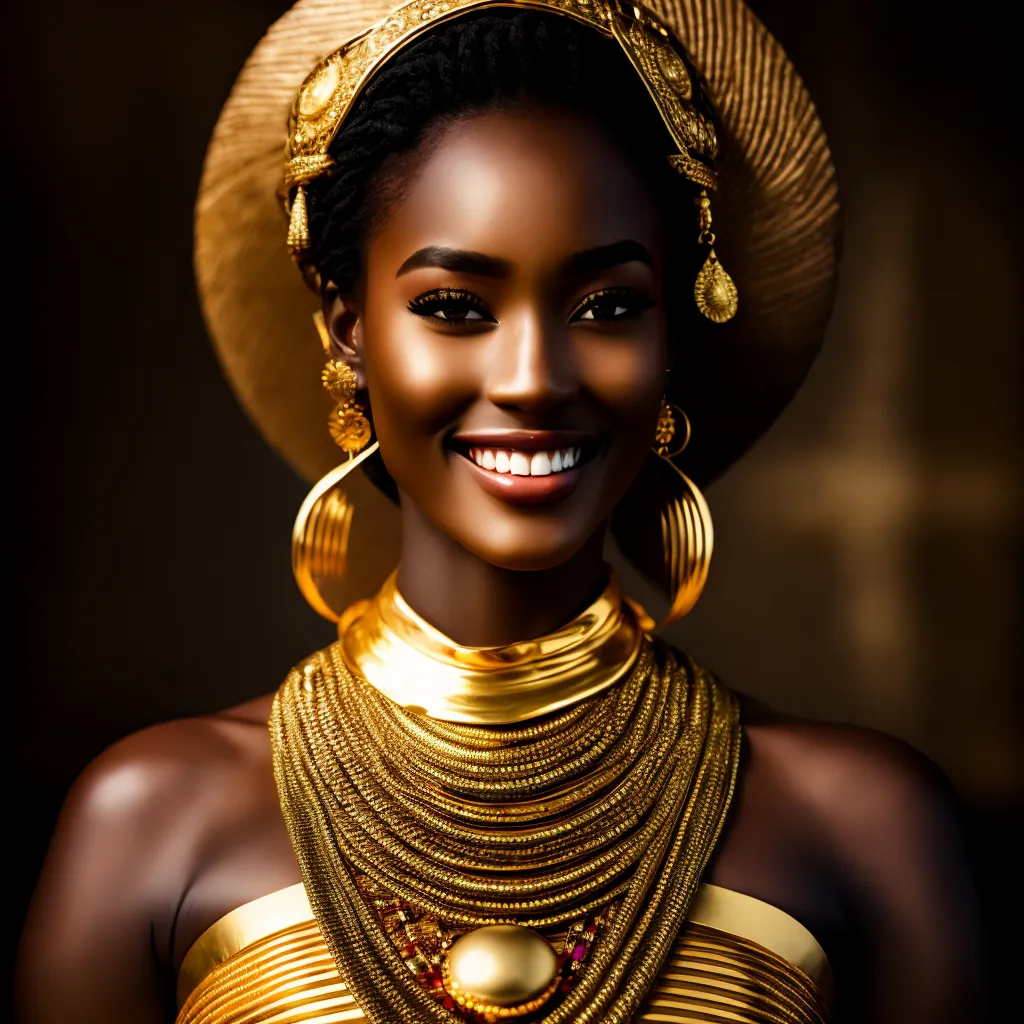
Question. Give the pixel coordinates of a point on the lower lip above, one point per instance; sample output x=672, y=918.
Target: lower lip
x=526, y=490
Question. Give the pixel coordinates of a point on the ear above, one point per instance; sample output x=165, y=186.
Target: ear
x=344, y=324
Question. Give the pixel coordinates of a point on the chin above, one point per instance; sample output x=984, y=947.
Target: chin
x=530, y=546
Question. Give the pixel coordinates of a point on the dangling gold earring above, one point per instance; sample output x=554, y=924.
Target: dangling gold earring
x=321, y=531
x=348, y=426
x=687, y=534
x=714, y=290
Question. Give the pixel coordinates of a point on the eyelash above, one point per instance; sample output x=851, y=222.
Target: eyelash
x=633, y=302
x=429, y=304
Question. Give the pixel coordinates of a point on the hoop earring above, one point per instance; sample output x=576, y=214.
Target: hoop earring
x=322, y=526
x=687, y=533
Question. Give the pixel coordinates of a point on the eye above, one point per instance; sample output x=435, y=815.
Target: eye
x=611, y=305
x=451, y=306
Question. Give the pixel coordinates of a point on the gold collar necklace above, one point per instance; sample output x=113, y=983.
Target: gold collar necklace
x=417, y=667
x=385, y=642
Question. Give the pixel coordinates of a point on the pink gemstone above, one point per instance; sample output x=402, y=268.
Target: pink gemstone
x=579, y=952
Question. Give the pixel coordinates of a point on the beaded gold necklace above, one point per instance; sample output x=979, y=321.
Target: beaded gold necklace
x=597, y=820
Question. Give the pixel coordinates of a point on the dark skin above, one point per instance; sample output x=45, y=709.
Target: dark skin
x=850, y=832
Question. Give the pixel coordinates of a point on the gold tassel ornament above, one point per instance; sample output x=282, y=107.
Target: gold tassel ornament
x=298, y=223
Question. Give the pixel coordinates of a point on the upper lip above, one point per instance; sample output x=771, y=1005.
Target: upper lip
x=524, y=440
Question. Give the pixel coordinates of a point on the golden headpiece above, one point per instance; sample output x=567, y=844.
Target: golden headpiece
x=334, y=85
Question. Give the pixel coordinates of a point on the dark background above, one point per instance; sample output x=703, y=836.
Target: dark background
x=867, y=561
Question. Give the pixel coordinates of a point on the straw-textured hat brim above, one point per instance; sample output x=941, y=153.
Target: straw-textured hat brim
x=776, y=216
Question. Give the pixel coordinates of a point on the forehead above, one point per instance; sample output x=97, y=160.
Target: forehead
x=532, y=188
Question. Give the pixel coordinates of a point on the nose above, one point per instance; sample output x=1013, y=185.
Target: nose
x=532, y=368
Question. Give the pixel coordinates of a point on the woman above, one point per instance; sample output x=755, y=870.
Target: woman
x=497, y=795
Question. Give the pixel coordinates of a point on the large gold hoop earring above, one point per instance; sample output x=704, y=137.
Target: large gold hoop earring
x=687, y=540
x=320, y=534
x=322, y=526
x=687, y=533
x=664, y=524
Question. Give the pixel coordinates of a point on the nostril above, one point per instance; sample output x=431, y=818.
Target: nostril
x=531, y=397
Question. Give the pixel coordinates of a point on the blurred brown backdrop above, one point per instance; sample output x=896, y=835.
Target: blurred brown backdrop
x=867, y=563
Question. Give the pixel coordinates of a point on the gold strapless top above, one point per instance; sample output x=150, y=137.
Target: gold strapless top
x=737, y=961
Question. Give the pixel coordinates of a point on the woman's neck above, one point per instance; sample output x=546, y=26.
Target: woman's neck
x=477, y=604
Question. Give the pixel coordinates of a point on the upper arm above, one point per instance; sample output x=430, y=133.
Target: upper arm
x=892, y=825
x=88, y=949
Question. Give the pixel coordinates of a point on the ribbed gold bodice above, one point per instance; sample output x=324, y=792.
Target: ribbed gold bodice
x=737, y=961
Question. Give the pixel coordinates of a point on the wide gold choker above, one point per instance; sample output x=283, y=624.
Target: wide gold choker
x=415, y=665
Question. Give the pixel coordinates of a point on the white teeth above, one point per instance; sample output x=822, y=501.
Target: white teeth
x=540, y=465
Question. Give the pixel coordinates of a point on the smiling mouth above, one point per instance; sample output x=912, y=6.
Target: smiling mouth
x=527, y=467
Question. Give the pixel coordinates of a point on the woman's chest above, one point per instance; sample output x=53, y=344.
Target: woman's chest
x=249, y=855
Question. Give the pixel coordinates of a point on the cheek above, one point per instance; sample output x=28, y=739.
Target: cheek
x=628, y=380
x=418, y=380
x=407, y=370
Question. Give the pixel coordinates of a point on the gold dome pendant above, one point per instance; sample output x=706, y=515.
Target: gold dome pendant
x=500, y=971
x=715, y=291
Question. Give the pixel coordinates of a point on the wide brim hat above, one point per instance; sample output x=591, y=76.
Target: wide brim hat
x=776, y=218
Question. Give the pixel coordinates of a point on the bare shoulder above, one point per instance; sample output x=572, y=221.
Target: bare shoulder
x=884, y=823
x=147, y=781
x=853, y=781
x=133, y=832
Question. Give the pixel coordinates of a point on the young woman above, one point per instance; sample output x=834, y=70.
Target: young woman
x=498, y=795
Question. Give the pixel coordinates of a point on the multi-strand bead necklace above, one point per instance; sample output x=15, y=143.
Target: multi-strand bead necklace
x=597, y=820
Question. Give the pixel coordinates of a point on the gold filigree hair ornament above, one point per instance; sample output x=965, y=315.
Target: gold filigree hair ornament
x=331, y=89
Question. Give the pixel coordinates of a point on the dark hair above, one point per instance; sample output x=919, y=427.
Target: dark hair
x=490, y=62
x=473, y=64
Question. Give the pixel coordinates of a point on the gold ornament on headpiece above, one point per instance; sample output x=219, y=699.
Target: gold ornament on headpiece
x=329, y=92
x=714, y=289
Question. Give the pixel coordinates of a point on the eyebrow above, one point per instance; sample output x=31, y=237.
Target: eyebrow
x=457, y=260
x=580, y=264
x=603, y=257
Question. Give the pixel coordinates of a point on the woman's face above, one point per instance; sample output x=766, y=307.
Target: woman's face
x=512, y=335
